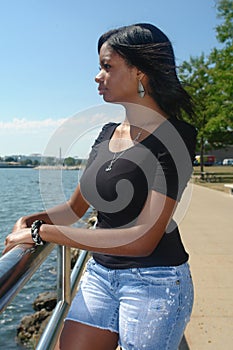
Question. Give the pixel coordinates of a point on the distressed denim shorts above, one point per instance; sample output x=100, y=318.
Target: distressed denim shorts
x=148, y=307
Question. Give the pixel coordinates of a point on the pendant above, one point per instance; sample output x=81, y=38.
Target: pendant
x=109, y=168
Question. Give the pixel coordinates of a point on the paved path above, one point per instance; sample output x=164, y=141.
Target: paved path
x=207, y=232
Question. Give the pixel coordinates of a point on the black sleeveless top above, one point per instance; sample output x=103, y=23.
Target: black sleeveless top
x=161, y=162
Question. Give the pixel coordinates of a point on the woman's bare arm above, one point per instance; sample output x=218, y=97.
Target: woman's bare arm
x=139, y=240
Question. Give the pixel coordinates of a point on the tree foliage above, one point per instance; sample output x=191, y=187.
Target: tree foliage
x=225, y=29
x=69, y=161
x=209, y=80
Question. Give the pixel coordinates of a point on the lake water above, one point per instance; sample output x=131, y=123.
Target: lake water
x=24, y=191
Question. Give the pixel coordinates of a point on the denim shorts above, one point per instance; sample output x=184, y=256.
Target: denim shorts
x=148, y=307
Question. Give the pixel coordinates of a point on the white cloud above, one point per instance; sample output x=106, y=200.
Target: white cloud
x=29, y=126
x=23, y=136
x=74, y=135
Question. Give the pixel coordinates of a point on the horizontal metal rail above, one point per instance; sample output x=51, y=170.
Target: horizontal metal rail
x=21, y=262
x=16, y=268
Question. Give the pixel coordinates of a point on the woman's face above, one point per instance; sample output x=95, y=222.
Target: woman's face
x=117, y=81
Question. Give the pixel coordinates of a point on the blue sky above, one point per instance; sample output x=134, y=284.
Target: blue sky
x=49, y=58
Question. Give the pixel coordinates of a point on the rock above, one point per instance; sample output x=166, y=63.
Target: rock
x=46, y=300
x=32, y=326
x=74, y=256
x=91, y=221
x=30, y=329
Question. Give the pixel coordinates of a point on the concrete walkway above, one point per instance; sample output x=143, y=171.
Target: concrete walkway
x=207, y=232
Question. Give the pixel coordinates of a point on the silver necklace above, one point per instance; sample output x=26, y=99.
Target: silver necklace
x=115, y=156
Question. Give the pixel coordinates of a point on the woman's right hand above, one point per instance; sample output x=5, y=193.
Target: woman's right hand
x=20, y=224
x=17, y=237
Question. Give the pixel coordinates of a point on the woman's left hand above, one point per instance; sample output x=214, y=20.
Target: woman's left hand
x=17, y=237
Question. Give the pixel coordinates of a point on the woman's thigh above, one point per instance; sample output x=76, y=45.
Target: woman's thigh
x=78, y=336
x=96, y=303
x=155, y=307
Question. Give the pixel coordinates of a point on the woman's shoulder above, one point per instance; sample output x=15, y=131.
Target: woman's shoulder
x=106, y=131
x=184, y=127
x=109, y=125
x=188, y=134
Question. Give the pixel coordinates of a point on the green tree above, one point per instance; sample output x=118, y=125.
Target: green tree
x=225, y=29
x=10, y=159
x=69, y=161
x=220, y=128
x=26, y=162
x=209, y=80
x=48, y=161
x=35, y=162
x=196, y=75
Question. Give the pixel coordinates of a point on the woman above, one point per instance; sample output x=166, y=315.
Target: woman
x=137, y=291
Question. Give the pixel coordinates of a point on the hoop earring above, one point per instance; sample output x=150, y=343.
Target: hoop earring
x=141, y=90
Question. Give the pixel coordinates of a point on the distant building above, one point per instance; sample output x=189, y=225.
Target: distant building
x=35, y=156
x=221, y=154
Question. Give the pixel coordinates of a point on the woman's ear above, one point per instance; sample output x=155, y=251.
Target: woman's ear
x=140, y=75
x=141, y=87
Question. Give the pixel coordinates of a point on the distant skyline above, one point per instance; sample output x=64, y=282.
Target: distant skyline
x=49, y=58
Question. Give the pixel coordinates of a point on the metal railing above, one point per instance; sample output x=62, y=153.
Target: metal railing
x=19, y=264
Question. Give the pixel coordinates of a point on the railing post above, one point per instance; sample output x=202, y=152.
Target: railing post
x=63, y=274
x=51, y=333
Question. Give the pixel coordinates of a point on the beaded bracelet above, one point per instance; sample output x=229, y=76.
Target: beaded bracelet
x=35, y=228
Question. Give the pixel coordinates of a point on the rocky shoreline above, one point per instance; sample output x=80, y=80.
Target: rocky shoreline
x=32, y=326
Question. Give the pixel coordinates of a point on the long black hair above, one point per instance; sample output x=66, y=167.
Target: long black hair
x=146, y=47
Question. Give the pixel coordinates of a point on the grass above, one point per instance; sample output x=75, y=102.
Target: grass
x=221, y=169
x=224, y=174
